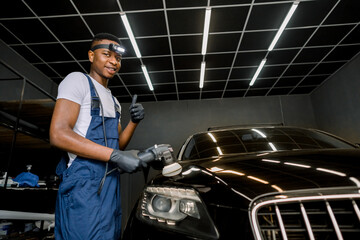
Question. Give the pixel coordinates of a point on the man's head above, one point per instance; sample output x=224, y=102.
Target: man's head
x=103, y=36
x=105, y=55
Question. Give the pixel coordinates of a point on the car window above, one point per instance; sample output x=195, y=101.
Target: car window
x=215, y=143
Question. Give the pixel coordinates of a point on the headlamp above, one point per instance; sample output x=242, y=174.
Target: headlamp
x=176, y=209
x=112, y=47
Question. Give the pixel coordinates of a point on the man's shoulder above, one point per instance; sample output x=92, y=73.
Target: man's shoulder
x=74, y=86
x=75, y=75
x=75, y=79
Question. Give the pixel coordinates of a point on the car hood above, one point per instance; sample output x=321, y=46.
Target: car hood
x=252, y=175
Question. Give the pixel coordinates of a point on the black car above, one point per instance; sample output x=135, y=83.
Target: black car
x=255, y=183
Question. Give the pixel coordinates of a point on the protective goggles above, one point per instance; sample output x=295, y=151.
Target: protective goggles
x=112, y=47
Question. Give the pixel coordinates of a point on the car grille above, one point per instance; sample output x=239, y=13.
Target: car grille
x=311, y=217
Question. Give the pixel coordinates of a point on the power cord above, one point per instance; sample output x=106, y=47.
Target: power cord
x=106, y=144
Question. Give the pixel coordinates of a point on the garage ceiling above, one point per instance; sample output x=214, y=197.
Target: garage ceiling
x=322, y=36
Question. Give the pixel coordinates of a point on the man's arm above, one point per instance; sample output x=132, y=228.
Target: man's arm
x=62, y=135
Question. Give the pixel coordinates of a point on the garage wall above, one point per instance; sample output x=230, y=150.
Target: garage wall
x=16, y=86
x=22, y=67
x=336, y=102
x=172, y=122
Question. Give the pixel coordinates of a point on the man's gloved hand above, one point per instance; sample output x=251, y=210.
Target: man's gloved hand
x=137, y=112
x=128, y=161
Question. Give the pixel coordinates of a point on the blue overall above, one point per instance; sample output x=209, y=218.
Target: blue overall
x=82, y=213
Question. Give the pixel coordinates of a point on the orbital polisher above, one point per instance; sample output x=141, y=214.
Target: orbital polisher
x=162, y=153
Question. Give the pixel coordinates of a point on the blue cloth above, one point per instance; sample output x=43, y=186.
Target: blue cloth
x=27, y=179
x=82, y=213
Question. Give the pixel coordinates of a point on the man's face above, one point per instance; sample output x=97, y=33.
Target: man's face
x=104, y=62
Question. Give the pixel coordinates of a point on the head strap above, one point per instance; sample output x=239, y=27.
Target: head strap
x=112, y=47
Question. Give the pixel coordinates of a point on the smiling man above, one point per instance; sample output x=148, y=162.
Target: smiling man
x=86, y=125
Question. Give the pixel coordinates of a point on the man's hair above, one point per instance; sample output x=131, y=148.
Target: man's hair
x=102, y=36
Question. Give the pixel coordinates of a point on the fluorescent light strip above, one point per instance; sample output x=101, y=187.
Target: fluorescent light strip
x=147, y=77
x=215, y=169
x=206, y=30
x=272, y=161
x=281, y=196
x=233, y=172
x=259, y=132
x=130, y=34
x=258, y=71
x=193, y=169
x=202, y=75
x=272, y=146
x=297, y=165
x=258, y=179
x=212, y=137
x=283, y=25
x=277, y=188
x=219, y=150
x=331, y=171
x=355, y=180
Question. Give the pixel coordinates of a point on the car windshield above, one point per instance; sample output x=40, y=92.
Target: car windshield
x=215, y=143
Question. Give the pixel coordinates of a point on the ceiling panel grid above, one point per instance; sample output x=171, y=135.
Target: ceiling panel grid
x=321, y=37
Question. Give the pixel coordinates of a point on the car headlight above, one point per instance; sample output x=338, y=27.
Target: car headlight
x=176, y=209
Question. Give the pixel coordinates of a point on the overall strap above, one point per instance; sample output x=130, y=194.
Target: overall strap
x=95, y=101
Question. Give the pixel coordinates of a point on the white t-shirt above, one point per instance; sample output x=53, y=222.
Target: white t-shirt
x=75, y=87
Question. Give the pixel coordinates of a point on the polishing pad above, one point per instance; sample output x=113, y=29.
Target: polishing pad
x=171, y=170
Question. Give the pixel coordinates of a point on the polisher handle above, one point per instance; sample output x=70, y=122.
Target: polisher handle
x=146, y=156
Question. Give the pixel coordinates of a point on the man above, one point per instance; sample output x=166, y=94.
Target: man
x=86, y=124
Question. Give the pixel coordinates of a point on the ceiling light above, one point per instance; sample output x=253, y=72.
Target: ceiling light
x=147, y=77
x=283, y=25
x=357, y=182
x=219, y=150
x=130, y=34
x=331, y=171
x=215, y=169
x=258, y=179
x=206, y=30
x=258, y=71
x=233, y=172
x=277, y=188
x=297, y=165
x=212, y=137
x=272, y=161
x=259, y=132
x=202, y=75
x=272, y=146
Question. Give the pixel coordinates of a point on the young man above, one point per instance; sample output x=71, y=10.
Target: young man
x=86, y=124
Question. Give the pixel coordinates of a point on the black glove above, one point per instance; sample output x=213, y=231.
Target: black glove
x=137, y=112
x=128, y=161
